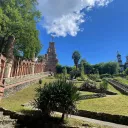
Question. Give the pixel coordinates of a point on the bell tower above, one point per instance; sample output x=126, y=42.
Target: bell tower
x=51, y=57
x=120, y=61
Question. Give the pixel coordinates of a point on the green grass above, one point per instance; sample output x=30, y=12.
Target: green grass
x=122, y=80
x=111, y=104
x=112, y=89
x=14, y=102
x=117, y=104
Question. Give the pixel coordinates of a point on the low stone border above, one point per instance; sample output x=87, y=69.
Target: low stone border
x=119, y=119
x=19, y=86
x=98, y=91
x=120, y=87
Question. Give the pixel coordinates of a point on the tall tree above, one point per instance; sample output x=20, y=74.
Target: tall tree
x=19, y=18
x=76, y=57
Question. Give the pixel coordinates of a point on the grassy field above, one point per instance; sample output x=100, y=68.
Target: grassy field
x=122, y=80
x=117, y=104
x=15, y=101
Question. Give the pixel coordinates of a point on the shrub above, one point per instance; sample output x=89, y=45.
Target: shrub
x=88, y=84
x=40, y=81
x=75, y=74
x=94, y=77
x=104, y=85
x=105, y=76
x=126, y=71
x=59, y=95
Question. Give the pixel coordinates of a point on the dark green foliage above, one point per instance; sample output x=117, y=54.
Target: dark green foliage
x=76, y=57
x=82, y=71
x=65, y=71
x=57, y=96
x=74, y=74
x=105, y=76
x=40, y=81
x=101, y=68
x=19, y=18
x=126, y=71
x=88, y=85
x=94, y=77
x=59, y=69
x=40, y=58
x=107, y=68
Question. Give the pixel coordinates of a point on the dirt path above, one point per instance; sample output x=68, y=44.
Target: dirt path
x=104, y=123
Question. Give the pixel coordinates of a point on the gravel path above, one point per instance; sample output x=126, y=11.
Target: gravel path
x=104, y=123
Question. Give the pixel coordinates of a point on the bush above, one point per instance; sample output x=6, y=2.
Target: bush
x=126, y=71
x=57, y=96
x=94, y=77
x=40, y=81
x=105, y=76
x=104, y=85
x=88, y=84
x=74, y=74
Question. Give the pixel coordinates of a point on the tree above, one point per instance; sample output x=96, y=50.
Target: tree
x=126, y=71
x=82, y=71
x=76, y=57
x=19, y=18
x=40, y=58
x=83, y=61
x=65, y=72
x=57, y=96
x=59, y=69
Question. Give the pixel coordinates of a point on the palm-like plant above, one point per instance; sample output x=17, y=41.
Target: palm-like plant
x=57, y=96
x=76, y=57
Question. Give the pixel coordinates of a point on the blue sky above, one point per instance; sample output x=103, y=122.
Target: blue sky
x=105, y=32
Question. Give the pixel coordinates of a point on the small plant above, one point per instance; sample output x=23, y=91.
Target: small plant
x=88, y=85
x=59, y=96
x=104, y=85
x=40, y=81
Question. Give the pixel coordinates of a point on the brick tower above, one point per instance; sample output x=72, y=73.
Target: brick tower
x=51, y=58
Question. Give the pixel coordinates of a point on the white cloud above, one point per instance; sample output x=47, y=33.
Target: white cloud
x=63, y=17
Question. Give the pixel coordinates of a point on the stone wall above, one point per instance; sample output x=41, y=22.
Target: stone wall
x=13, y=85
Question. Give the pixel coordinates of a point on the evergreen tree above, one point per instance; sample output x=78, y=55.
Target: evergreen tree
x=76, y=57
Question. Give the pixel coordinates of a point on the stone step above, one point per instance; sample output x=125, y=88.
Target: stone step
x=1, y=114
x=7, y=122
x=8, y=126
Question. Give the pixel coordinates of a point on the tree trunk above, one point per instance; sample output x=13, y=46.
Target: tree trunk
x=76, y=67
x=63, y=115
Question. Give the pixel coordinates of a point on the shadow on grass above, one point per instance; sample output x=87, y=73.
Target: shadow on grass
x=34, y=119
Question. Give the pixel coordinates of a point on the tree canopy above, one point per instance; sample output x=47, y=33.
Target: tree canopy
x=19, y=18
x=76, y=57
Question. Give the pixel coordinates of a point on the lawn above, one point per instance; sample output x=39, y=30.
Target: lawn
x=117, y=104
x=122, y=80
x=14, y=102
